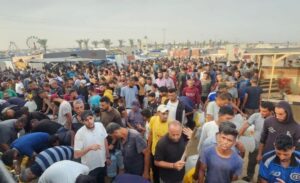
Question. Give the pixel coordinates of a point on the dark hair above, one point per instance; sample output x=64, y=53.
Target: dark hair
x=146, y=113
x=228, y=128
x=112, y=127
x=105, y=99
x=151, y=94
x=85, y=179
x=8, y=157
x=53, y=139
x=284, y=142
x=226, y=110
x=172, y=90
x=163, y=89
x=267, y=105
x=224, y=96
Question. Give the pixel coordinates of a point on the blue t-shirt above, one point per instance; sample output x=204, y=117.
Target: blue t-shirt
x=270, y=168
x=130, y=95
x=94, y=101
x=221, y=170
x=33, y=142
x=212, y=96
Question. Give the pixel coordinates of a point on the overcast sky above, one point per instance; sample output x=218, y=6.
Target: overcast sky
x=64, y=21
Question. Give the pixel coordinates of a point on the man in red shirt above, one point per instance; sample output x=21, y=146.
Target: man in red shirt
x=192, y=92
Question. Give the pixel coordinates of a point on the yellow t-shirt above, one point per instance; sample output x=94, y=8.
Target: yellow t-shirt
x=158, y=130
x=108, y=93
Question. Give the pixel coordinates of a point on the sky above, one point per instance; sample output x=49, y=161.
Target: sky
x=62, y=22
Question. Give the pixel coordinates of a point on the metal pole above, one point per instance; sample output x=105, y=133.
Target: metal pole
x=272, y=74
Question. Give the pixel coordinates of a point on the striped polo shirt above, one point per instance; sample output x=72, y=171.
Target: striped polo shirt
x=49, y=156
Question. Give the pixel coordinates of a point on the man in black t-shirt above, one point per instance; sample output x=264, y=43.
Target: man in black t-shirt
x=168, y=153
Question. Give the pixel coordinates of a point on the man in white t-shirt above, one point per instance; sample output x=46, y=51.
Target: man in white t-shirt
x=19, y=88
x=65, y=171
x=210, y=129
x=213, y=107
x=175, y=106
x=91, y=145
x=64, y=113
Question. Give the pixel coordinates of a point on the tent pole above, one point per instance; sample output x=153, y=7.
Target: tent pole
x=272, y=75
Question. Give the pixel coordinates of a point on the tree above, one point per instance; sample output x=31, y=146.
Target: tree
x=86, y=43
x=80, y=41
x=43, y=43
x=95, y=43
x=139, y=43
x=107, y=43
x=131, y=42
x=121, y=43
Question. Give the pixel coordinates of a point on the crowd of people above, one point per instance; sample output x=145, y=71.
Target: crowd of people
x=135, y=124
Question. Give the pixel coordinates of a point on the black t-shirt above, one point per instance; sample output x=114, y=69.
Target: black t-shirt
x=47, y=126
x=253, y=97
x=169, y=151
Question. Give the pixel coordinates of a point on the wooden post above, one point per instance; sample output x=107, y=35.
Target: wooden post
x=272, y=75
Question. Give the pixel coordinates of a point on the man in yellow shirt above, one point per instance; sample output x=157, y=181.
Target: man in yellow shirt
x=158, y=128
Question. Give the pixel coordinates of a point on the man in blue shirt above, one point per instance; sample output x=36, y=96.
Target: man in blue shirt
x=33, y=143
x=282, y=164
x=219, y=163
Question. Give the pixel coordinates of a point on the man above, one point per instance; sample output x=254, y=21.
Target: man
x=158, y=127
x=9, y=130
x=281, y=165
x=91, y=145
x=168, y=81
x=175, y=107
x=256, y=119
x=78, y=108
x=210, y=129
x=19, y=88
x=152, y=103
x=160, y=81
x=219, y=163
x=129, y=93
x=108, y=113
x=192, y=92
x=282, y=123
x=45, y=125
x=134, y=149
x=66, y=171
x=33, y=143
x=213, y=107
x=252, y=98
x=168, y=153
x=44, y=160
x=55, y=88
x=64, y=112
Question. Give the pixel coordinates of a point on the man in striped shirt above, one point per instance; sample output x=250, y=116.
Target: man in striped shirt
x=46, y=158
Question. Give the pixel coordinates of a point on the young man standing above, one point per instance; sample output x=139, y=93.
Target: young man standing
x=213, y=107
x=252, y=98
x=219, y=163
x=91, y=145
x=281, y=165
x=282, y=123
x=256, y=119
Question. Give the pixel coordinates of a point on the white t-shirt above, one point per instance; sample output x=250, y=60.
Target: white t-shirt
x=65, y=171
x=19, y=88
x=85, y=137
x=31, y=106
x=172, y=110
x=64, y=108
x=213, y=110
x=209, y=129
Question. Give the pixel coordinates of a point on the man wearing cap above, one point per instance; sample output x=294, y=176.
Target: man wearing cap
x=91, y=146
x=134, y=149
x=158, y=128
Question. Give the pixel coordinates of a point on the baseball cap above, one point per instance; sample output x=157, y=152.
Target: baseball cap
x=162, y=108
